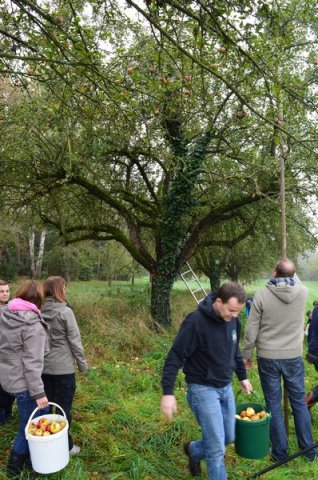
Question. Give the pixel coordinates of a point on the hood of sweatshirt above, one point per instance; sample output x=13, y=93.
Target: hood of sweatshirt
x=206, y=307
x=52, y=308
x=284, y=292
x=16, y=319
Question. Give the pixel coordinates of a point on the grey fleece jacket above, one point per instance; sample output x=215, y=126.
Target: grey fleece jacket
x=24, y=341
x=276, y=322
x=67, y=346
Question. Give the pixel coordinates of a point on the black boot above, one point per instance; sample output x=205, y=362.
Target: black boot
x=15, y=464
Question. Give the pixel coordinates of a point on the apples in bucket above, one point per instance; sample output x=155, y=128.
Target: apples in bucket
x=45, y=427
x=250, y=415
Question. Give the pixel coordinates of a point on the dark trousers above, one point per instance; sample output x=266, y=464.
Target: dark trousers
x=314, y=360
x=61, y=389
x=6, y=402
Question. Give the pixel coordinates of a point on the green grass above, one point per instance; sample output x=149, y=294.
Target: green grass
x=116, y=416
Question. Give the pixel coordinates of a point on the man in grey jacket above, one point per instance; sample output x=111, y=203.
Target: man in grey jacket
x=276, y=328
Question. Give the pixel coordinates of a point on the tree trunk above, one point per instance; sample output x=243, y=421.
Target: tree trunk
x=39, y=261
x=160, y=301
x=31, y=248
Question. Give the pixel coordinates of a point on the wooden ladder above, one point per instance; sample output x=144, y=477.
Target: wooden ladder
x=193, y=283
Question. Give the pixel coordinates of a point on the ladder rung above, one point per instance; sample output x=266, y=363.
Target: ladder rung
x=188, y=271
x=197, y=290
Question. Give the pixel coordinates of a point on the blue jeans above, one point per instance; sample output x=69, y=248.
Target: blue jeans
x=214, y=409
x=292, y=371
x=25, y=406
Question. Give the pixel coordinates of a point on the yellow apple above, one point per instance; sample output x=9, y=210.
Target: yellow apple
x=54, y=427
x=250, y=411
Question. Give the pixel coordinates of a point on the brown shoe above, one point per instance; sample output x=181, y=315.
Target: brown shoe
x=194, y=467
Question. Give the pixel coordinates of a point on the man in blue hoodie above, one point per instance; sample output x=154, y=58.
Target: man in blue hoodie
x=207, y=348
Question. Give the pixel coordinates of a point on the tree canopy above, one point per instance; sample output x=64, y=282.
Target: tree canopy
x=158, y=124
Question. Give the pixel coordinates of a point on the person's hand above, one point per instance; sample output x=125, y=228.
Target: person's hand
x=246, y=386
x=42, y=402
x=247, y=363
x=168, y=405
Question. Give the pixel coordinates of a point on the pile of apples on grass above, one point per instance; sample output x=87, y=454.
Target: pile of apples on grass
x=44, y=427
x=250, y=415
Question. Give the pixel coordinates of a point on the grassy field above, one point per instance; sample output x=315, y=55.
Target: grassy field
x=117, y=421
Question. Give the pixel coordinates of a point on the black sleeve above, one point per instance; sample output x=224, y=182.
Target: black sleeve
x=240, y=367
x=183, y=346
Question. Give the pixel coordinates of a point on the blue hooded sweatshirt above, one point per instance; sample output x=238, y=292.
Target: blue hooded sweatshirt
x=207, y=348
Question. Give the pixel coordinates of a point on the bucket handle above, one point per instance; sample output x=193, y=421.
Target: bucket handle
x=37, y=408
x=254, y=394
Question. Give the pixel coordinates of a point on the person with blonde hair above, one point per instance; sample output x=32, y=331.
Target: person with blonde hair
x=24, y=341
x=67, y=349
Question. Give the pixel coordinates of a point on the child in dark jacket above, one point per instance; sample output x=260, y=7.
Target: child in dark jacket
x=6, y=400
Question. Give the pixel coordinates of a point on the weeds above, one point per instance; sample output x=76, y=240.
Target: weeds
x=116, y=417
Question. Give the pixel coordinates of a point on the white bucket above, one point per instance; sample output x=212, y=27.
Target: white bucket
x=51, y=453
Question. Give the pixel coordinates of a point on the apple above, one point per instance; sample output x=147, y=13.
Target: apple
x=247, y=419
x=62, y=423
x=32, y=430
x=38, y=432
x=43, y=421
x=262, y=414
x=250, y=411
x=186, y=91
x=222, y=50
x=46, y=433
x=315, y=61
x=130, y=70
x=188, y=78
x=255, y=417
x=55, y=427
x=243, y=413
